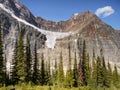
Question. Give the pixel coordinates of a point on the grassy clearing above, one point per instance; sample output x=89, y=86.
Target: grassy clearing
x=31, y=87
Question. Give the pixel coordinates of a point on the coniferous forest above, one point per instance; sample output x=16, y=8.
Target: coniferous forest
x=26, y=73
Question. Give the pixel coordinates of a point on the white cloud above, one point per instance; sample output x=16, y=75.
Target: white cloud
x=105, y=11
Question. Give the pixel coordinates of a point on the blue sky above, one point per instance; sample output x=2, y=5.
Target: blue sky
x=56, y=10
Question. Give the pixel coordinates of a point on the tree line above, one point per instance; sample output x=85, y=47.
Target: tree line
x=26, y=68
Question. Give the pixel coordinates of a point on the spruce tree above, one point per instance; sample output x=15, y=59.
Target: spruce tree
x=75, y=73
x=42, y=71
x=35, y=75
x=88, y=69
x=115, y=76
x=80, y=74
x=69, y=77
x=21, y=66
x=84, y=65
x=109, y=71
x=94, y=71
x=28, y=60
x=54, y=74
x=6, y=78
x=104, y=73
x=99, y=78
x=109, y=75
x=48, y=72
x=60, y=76
x=14, y=76
x=1, y=59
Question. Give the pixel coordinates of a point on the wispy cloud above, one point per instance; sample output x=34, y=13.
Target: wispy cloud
x=105, y=11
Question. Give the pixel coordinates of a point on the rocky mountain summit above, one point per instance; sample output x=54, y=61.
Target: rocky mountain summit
x=50, y=37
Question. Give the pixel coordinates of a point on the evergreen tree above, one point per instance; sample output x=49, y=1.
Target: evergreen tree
x=109, y=71
x=1, y=59
x=94, y=71
x=75, y=73
x=14, y=76
x=35, y=75
x=28, y=60
x=42, y=71
x=69, y=77
x=84, y=65
x=48, y=76
x=80, y=66
x=60, y=76
x=54, y=74
x=6, y=80
x=88, y=69
x=21, y=66
x=99, y=79
x=115, y=76
x=80, y=73
x=5, y=72
x=104, y=73
x=46, y=81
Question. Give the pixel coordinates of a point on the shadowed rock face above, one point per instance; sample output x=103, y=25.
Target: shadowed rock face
x=85, y=26
x=74, y=23
x=97, y=35
x=81, y=26
x=19, y=10
x=11, y=28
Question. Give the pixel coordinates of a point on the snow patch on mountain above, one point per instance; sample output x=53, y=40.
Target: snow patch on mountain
x=51, y=36
x=17, y=5
x=75, y=15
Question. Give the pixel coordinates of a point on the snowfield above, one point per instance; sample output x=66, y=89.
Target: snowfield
x=51, y=36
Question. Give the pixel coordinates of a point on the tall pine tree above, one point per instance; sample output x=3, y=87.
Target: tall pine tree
x=28, y=60
x=35, y=75
x=75, y=73
x=99, y=78
x=80, y=66
x=2, y=74
x=14, y=76
x=88, y=69
x=42, y=71
x=21, y=66
x=84, y=65
x=48, y=73
x=54, y=74
x=60, y=76
x=69, y=77
x=104, y=74
x=115, y=76
x=94, y=71
x=109, y=72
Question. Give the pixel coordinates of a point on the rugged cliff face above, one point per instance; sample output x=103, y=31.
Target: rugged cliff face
x=19, y=10
x=85, y=26
x=81, y=26
x=12, y=24
x=11, y=28
x=74, y=23
x=97, y=34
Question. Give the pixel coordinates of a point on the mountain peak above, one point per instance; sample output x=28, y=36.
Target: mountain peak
x=19, y=10
x=77, y=22
x=85, y=14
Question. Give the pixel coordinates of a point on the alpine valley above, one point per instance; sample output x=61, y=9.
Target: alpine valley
x=54, y=37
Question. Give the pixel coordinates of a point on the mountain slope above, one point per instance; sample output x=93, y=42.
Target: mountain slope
x=81, y=26
x=19, y=10
x=12, y=24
